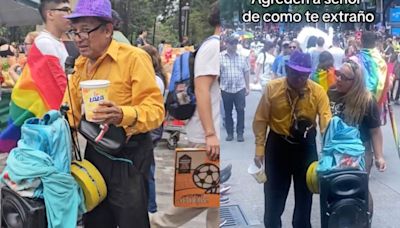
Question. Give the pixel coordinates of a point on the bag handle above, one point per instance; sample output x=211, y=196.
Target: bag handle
x=180, y=67
x=69, y=69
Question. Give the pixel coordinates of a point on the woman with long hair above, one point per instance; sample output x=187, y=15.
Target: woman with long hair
x=264, y=62
x=157, y=64
x=352, y=101
x=156, y=134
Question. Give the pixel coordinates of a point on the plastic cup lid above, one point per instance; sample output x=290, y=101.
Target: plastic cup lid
x=94, y=84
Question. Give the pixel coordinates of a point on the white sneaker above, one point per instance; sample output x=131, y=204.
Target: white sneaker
x=224, y=189
x=223, y=222
x=223, y=200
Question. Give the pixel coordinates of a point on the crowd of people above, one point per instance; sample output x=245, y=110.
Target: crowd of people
x=302, y=85
x=302, y=88
x=137, y=86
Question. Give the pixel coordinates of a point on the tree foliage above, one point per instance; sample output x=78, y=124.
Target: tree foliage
x=142, y=14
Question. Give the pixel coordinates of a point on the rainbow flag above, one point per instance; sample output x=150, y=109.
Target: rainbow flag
x=325, y=78
x=40, y=88
x=375, y=72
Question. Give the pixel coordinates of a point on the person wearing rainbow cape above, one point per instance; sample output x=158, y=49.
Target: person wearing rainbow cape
x=374, y=67
x=324, y=75
x=42, y=84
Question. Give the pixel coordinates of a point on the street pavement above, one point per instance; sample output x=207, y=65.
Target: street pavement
x=249, y=196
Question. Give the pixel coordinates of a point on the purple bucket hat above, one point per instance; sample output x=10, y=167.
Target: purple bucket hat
x=300, y=61
x=92, y=8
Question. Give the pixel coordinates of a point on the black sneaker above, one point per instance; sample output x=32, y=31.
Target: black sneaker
x=229, y=138
x=240, y=138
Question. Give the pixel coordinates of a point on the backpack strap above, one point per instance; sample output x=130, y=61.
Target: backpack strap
x=180, y=67
x=192, y=60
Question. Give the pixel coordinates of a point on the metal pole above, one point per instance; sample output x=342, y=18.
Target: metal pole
x=381, y=16
x=185, y=10
x=180, y=21
x=154, y=31
x=187, y=22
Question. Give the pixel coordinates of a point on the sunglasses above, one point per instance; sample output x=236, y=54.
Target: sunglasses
x=342, y=77
x=292, y=47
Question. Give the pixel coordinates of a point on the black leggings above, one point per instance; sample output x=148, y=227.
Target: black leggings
x=282, y=161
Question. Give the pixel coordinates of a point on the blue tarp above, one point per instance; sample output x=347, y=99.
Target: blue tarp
x=342, y=147
x=44, y=152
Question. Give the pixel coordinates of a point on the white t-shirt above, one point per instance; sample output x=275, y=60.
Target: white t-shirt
x=49, y=45
x=160, y=84
x=338, y=56
x=206, y=63
x=266, y=74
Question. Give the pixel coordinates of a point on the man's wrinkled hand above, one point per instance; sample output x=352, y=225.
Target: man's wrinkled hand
x=259, y=160
x=108, y=112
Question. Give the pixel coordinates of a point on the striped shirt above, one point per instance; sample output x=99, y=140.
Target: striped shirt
x=233, y=70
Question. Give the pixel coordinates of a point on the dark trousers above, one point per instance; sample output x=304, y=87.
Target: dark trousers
x=152, y=204
x=126, y=203
x=395, y=95
x=239, y=100
x=283, y=161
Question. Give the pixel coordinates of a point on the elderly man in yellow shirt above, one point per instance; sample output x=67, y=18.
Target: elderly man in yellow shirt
x=135, y=103
x=289, y=108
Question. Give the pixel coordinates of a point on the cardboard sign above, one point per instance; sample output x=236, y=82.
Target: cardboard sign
x=196, y=179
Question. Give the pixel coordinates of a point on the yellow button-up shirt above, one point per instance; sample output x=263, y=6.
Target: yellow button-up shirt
x=132, y=87
x=274, y=109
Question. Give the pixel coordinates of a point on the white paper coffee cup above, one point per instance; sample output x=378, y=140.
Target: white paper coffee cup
x=257, y=173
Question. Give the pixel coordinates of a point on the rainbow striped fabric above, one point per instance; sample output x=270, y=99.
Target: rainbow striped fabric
x=375, y=72
x=325, y=78
x=39, y=89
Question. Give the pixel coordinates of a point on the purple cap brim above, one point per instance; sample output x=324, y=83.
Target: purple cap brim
x=78, y=15
x=299, y=68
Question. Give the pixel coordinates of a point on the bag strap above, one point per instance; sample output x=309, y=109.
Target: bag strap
x=180, y=67
x=192, y=60
x=293, y=105
x=74, y=134
x=114, y=158
x=69, y=70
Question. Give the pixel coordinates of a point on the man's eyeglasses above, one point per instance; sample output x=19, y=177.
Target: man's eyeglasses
x=84, y=35
x=64, y=9
x=343, y=77
x=292, y=47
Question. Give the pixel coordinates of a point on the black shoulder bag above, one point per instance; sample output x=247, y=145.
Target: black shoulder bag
x=300, y=126
x=105, y=138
